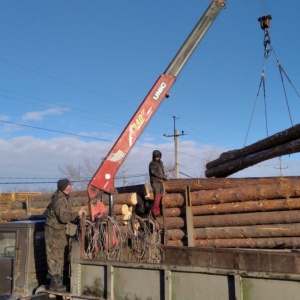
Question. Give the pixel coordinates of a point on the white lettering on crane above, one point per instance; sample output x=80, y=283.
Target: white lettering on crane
x=159, y=91
x=116, y=156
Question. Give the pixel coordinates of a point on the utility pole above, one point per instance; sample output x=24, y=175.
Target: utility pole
x=176, y=135
x=280, y=167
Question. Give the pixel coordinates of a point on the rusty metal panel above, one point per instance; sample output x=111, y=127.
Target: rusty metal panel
x=138, y=284
x=256, y=288
x=23, y=242
x=90, y=281
x=118, y=280
x=6, y=275
x=235, y=259
x=187, y=286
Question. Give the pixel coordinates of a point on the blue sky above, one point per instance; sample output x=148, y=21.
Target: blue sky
x=80, y=69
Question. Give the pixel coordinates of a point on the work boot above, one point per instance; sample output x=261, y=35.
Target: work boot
x=56, y=284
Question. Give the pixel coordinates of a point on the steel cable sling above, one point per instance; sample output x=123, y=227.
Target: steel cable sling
x=268, y=49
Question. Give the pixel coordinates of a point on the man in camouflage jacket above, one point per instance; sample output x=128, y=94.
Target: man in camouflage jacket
x=59, y=213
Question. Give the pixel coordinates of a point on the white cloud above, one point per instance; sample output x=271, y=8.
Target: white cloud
x=39, y=115
x=7, y=126
x=4, y=118
x=29, y=157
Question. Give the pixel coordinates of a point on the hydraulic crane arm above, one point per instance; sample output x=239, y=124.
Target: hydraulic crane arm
x=103, y=179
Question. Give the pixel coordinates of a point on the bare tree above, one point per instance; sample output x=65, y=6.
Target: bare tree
x=80, y=174
x=170, y=170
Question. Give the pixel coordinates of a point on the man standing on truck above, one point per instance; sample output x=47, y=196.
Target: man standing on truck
x=157, y=177
x=59, y=214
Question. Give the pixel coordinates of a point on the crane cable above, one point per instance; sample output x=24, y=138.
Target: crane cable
x=264, y=7
x=264, y=24
x=268, y=48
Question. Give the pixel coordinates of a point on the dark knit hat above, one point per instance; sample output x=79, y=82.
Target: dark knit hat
x=62, y=184
x=156, y=153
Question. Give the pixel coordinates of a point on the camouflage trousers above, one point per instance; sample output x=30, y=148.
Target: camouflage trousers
x=57, y=250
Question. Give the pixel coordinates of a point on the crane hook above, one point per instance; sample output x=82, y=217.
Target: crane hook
x=265, y=22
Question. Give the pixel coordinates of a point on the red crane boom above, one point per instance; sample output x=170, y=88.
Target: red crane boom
x=103, y=179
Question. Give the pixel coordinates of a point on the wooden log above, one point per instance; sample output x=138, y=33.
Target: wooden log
x=242, y=219
x=126, y=198
x=18, y=214
x=284, y=187
x=10, y=197
x=79, y=198
x=271, y=230
x=124, y=218
x=131, y=208
x=237, y=207
x=119, y=209
x=10, y=215
x=269, y=142
x=258, y=243
x=196, y=184
x=45, y=201
x=140, y=189
x=234, y=166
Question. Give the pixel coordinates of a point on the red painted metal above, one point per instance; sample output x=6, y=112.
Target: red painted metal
x=104, y=180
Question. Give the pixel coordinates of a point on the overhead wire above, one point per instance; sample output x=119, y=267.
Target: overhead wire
x=70, y=84
x=264, y=7
x=55, y=104
x=63, y=81
x=57, y=131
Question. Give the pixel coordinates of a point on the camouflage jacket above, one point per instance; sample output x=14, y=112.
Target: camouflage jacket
x=59, y=211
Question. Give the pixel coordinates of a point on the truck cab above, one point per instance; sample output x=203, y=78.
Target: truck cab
x=23, y=262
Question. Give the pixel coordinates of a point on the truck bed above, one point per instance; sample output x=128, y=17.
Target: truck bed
x=192, y=273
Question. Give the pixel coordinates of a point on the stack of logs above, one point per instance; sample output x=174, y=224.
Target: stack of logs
x=223, y=212
x=7, y=201
x=34, y=205
x=281, y=143
x=234, y=212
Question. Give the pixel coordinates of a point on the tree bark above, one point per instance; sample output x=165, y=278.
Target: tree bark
x=283, y=187
x=271, y=230
x=258, y=243
x=196, y=184
x=242, y=219
x=140, y=189
x=237, y=207
x=17, y=214
x=119, y=209
x=272, y=141
x=79, y=198
x=236, y=165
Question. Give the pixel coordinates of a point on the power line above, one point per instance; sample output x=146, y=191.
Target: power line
x=59, y=105
x=52, y=103
x=185, y=174
x=61, y=80
x=72, y=134
x=57, y=131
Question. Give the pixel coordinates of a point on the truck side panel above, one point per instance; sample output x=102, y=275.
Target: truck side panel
x=6, y=274
x=116, y=280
